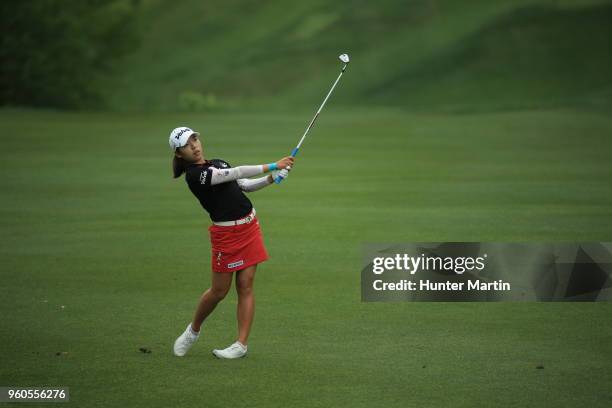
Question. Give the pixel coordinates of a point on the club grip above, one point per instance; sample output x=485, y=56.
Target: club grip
x=294, y=153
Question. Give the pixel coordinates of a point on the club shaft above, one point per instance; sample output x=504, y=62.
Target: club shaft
x=319, y=111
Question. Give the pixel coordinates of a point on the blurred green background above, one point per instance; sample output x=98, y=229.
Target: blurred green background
x=155, y=55
x=455, y=121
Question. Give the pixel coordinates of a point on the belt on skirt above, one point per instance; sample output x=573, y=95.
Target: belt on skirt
x=241, y=221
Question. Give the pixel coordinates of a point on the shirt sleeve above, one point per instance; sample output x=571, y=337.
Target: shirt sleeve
x=220, y=172
x=249, y=185
x=219, y=176
x=200, y=176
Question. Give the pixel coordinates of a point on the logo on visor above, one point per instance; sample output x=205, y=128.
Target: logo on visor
x=178, y=135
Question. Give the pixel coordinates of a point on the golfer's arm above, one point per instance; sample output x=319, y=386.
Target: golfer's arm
x=249, y=185
x=219, y=176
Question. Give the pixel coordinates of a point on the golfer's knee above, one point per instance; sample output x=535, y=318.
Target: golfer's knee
x=218, y=293
x=245, y=288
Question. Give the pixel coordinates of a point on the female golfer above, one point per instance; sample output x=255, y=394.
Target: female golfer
x=236, y=240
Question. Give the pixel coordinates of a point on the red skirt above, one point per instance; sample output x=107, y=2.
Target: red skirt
x=236, y=247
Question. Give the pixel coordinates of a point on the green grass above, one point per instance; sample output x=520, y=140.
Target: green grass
x=442, y=55
x=92, y=221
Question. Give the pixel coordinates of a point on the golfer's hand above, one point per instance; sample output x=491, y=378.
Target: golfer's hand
x=285, y=162
x=283, y=174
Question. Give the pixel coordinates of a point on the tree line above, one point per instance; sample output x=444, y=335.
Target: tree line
x=57, y=53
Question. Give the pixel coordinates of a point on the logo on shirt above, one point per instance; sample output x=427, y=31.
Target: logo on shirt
x=235, y=264
x=203, y=177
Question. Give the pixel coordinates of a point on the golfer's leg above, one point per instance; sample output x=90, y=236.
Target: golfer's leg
x=221, y=283
x=246, y=302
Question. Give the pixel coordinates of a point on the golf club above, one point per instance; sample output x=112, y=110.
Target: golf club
x=345, y=59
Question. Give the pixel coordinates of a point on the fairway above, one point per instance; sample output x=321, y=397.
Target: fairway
x=103, y=253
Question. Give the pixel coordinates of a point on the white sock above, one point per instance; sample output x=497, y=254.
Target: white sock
x=195, y=333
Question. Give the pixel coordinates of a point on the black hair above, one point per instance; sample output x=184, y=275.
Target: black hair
x=178, y=166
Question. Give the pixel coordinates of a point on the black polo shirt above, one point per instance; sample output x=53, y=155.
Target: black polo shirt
x=223, y=202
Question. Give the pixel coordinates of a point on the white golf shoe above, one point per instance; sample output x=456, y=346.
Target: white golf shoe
x=236, y=350
x=185, y=341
